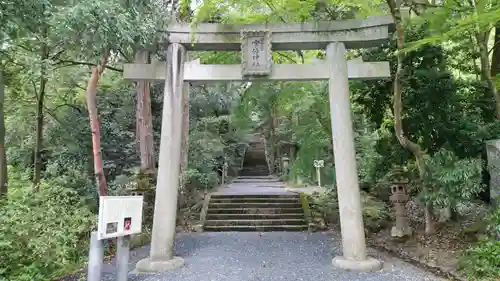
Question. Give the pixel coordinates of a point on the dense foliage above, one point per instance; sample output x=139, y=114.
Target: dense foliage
x=482, y=261
x=42, y=233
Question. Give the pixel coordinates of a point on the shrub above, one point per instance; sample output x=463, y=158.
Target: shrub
x=375, y=212
x=494, y=224
x=483, y=260
x=453, y=180
x=43, y=234
x=324, y=205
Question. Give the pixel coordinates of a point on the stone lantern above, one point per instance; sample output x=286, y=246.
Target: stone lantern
x=285, y=161
x=225, y=166
x=399, y=198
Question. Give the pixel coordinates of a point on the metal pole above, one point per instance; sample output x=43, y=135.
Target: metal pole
x=122, y=257
x=96, y=256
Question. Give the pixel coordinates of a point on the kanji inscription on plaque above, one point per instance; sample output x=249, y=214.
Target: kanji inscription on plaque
x=256, y=57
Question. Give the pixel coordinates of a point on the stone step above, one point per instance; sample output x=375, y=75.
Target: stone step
x=253, y=155
x=254, y=173
x=255, y=210
x=254, y=216
x=253, y=170
x=256, y=148
x=262, y=228
x=254, y=159
x=255, y=200
x=222, y=196
x=257, y=177
x=251, y=185
x=256, y=181
x=247, y=222
x=250, y=170
x=261, y=177
x=257, y=184
x=252, y=205
x=268, y=175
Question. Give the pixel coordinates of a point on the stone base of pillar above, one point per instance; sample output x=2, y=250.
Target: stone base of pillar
x=148, y=266
x=368, y=265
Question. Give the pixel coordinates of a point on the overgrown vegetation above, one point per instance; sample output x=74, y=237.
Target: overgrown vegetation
x=375, y=212
x=430, y=131
x=482, y=261
x=42, y=233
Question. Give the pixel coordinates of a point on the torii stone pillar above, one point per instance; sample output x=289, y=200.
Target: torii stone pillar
x=351, y=219
x=162, y=253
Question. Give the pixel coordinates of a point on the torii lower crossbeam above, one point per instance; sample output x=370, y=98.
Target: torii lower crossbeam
x=280, y=72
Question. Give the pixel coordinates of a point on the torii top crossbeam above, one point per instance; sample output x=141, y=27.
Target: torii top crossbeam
x=355, y=34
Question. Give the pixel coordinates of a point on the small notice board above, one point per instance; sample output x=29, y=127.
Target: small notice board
x=119, y=216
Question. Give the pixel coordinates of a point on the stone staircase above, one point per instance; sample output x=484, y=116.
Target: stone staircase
x=255, y=212
x=255, y=201
x=254, y=162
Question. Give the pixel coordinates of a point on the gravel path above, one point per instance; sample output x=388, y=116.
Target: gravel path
x=270, y=256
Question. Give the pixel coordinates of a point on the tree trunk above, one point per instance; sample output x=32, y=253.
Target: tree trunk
x=495, y=59
x=39, y=115
x=482, y=35
x=3, y=155
x=91, y=96
x=482, y=42
x=39, y=135
x=144, y=120
x=413, y=147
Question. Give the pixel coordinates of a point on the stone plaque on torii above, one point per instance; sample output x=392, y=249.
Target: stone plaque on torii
x=256, y=57
x=333, y=37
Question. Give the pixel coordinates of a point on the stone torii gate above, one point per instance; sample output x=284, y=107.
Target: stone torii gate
x=256, y=41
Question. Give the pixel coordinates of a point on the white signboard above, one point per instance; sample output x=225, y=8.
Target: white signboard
x=119, y=216
x=319, y=163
